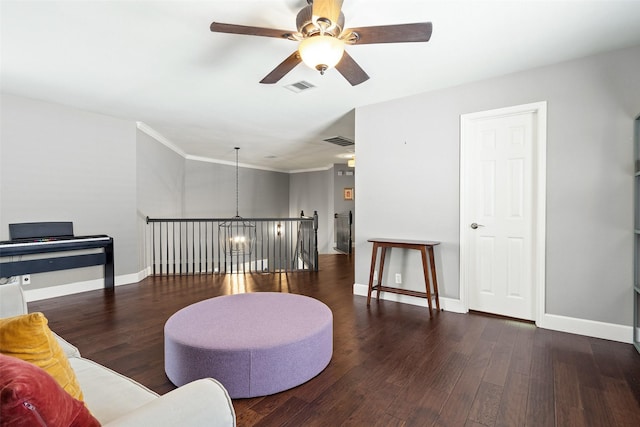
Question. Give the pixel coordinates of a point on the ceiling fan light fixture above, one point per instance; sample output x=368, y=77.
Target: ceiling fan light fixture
x=321, y=52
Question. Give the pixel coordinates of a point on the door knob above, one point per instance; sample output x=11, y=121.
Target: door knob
x=475, y=225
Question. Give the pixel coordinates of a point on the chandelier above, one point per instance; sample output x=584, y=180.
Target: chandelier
x=237, y=236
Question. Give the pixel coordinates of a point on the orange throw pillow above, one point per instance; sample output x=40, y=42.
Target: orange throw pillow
x=29, y=338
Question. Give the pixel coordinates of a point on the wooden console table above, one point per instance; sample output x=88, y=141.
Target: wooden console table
x=424, y=246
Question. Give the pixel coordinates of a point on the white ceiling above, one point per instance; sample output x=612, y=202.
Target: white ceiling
x=157, y=62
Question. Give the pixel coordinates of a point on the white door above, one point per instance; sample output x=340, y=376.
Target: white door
x=498, y=228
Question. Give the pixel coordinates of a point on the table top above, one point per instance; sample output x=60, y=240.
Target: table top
x=403, y=241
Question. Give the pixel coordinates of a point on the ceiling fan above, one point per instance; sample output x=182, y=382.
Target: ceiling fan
x=322, y=36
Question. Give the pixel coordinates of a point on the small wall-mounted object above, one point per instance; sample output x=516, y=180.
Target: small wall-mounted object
x=349, y=173
x=348, y=193
x=339, y=173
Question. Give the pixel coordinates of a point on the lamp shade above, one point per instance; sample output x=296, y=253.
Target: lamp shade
x=321, y=52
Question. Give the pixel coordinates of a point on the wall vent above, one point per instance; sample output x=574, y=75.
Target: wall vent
x=340, y=140
x=300, y=86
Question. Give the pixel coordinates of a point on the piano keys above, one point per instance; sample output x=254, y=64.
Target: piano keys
x=54, y=238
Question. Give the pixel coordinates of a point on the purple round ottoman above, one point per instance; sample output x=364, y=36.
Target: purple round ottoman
x=255, y=344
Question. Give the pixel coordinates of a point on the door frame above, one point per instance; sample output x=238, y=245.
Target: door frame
x=539, y=165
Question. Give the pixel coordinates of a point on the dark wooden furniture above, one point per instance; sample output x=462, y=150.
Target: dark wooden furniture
x=425, y=247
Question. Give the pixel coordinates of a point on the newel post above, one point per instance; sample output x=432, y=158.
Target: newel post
x=315, y=240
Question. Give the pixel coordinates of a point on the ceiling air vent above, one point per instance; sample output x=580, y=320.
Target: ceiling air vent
x=300, y=86
x=340, y=140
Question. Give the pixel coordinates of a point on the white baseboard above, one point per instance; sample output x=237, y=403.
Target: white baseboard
x=590, y=328
x=77, y=287
x=446, y=304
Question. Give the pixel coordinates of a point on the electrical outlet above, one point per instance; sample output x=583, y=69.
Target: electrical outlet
x=26, y=279
x=398, y=278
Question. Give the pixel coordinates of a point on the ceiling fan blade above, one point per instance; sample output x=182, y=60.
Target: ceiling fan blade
x=218, y=27
x=329, y=9
x=401, y=33
x=281, y=70
x=350, y=70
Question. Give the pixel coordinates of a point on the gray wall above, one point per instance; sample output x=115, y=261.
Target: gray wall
x=160, y=188
x=408, y=178
x=210, y=191
x=170, y=186
x=161, y=179
x=321, y=191
x=313, y=191
x=341, y=182
x=64, y=164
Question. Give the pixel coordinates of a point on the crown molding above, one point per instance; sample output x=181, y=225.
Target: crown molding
x=326, y=168
x=160, y=138
x=167, y=143
x=226, y=162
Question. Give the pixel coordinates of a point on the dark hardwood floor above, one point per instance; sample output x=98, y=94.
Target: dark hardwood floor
x=392, y=365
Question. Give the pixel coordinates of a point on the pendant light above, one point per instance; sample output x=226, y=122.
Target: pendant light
x=321, y=52
x=237, y=235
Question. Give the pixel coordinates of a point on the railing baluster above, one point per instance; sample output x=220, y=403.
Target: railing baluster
x=218, y=245
x=173, y=247
x=288, y=247
x=153, y=245
x=167, y=249
x=187, y=252
x=206, y=249
x=263, y=238
x=274, y=245
x=181, y=259
x=160, y=246
x=193, y=248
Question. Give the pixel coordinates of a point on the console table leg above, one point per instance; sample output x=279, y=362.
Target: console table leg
x=434, y=278
x=423, y=252
x=373, y=268
x=381, y=270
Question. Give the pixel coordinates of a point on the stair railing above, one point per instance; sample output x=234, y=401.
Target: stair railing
x=179, y=246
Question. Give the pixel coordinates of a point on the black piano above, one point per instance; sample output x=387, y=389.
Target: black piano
x=47, y=237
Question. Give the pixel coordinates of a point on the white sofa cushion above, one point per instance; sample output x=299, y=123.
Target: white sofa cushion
x=203, y=402
x=69, y=349
x=12, y=300
x=108, y=394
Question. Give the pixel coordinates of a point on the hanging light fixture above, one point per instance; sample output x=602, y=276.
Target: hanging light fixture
x=321, y=52
x=237, y=235
x=320, y=26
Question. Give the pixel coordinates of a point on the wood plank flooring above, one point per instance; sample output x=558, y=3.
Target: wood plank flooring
x=392, y=365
